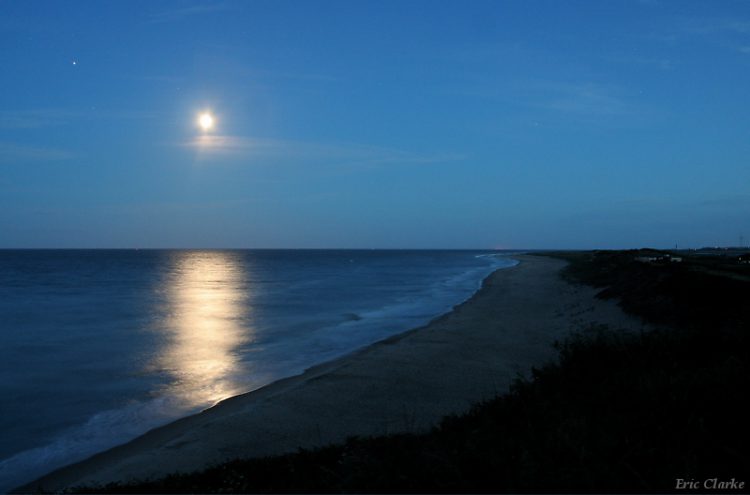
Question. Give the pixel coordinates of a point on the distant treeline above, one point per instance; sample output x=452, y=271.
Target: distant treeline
x=619, y=412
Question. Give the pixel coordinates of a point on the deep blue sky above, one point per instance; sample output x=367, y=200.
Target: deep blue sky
x=510, y=124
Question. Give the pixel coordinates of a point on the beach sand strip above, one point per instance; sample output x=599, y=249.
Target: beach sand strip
x=405, y=383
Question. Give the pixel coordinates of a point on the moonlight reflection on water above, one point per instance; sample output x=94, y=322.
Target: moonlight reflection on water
x=207, y=302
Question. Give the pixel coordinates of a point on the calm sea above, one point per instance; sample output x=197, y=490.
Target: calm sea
x=97, y=347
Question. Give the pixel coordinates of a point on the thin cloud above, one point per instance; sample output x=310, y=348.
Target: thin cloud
x=300, y=76
x=730, y=201
x=723, y=32
x=157, y=78
x=221, y=57
x=182, y=13
x=573, y=99
x=711, y=26
x=129, y=114
x=582, y=99
x=33, y=119
x=51, y=117
x=587, y=100
x=664, y=64
x=300, y=151
x=10, y=153
x=738, y=203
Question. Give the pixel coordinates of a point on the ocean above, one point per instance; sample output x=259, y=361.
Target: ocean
x=99, y=346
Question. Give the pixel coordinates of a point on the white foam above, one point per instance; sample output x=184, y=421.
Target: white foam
x=102, y=431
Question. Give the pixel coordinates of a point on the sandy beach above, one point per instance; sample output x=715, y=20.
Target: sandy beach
x=405, y=383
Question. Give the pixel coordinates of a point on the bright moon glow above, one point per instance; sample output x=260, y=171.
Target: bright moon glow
x=206, y=121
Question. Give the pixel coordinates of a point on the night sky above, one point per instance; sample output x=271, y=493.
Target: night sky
x=354, y=124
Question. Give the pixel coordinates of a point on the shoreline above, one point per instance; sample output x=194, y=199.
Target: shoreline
x=404, y=383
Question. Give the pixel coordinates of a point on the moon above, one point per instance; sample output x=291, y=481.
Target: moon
x=206, y=121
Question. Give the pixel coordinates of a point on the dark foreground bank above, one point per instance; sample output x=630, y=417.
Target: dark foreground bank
x=620, y=412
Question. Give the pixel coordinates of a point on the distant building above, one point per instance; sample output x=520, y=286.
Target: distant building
x=659, y=258
x=744, y=259
x=646, y=259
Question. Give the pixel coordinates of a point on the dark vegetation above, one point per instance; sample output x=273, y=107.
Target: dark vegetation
x=618, y=413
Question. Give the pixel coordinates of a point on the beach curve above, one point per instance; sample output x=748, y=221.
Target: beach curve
x=405, y=383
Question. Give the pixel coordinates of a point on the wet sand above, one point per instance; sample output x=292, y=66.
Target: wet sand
x=405, y=383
